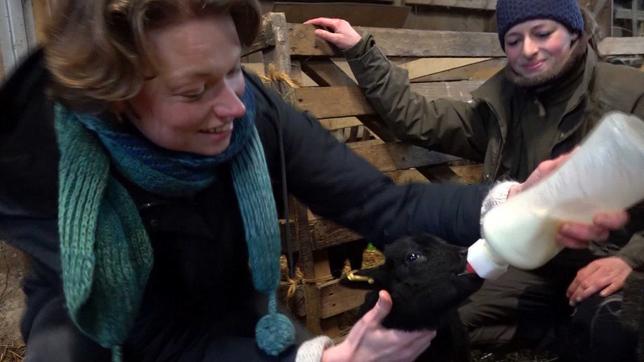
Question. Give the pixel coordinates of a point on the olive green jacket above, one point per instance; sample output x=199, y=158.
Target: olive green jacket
x=478, y=129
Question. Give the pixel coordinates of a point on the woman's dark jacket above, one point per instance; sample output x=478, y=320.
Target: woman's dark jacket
x=200, y=283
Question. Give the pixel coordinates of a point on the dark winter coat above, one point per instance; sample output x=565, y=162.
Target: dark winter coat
x=200, y=287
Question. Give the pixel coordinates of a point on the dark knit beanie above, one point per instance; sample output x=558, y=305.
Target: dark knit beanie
x=512, y=12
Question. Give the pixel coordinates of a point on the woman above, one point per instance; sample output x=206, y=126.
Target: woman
x=550, y=95
x=141, y=189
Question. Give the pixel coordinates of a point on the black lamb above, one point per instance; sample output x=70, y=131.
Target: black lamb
x=427, y=280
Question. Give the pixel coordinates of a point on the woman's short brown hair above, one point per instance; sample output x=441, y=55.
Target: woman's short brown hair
x=97, y=50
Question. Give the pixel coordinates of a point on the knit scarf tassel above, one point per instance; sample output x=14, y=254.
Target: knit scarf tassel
x=274, y=332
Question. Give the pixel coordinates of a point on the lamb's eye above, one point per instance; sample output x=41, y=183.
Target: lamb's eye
x=414, y=256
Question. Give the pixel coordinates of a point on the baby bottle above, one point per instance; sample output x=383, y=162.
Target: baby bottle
x=605, y=173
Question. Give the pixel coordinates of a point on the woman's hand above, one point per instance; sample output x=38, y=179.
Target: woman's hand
x=605, y=275
x=369, y=341
x=336, y=31
x=571, y=234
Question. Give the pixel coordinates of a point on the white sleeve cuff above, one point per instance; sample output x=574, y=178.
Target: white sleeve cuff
x=311, y=350
x=497, y=195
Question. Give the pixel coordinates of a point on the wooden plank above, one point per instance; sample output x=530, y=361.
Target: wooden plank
x=622, y=46
x=356, y=14
x=628, y=14
x=464, y=174
x=602, y=11
x=335, y=102
x=42, y=12
x=255, y=68
x=406, y=176
x=452, y=19
x=346, y=68
x=469, y=174
x=427, y=66
x=404, y=42
x=338, y=73
x=478, y=71
x=265, y=38
x=278, y=58
x=365, y=143
x=326, y=73
x=463, y=4
x=332, y=102
x=336, y=298
x=332, y=124
x=326, y=233
x=400, y=156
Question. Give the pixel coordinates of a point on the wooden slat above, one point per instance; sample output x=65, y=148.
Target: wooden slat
x=335, y=102
x=478, y=71
x=602, y=11
x=332, y=124
x=429, y=43
x=621, y=13
x=427, y=66
x=464, y=174
x=344, y=66
x=622, y=46
x=265, y=37
x=356, y=14
x=277, y=57
x=336, y=298
x=326, y=233
x=255, y=68
x=405, y=43
x=338, y=73
x=399, y=156
x=326, y=73
x=332, y=102
x=406, y=176
x=451, y=19
x=42, y=12
x=464, y=4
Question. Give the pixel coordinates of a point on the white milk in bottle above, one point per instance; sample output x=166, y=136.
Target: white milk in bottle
x=606, y=173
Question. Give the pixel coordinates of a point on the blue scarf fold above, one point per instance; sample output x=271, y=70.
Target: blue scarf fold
x=168, y=173
x=106, y=254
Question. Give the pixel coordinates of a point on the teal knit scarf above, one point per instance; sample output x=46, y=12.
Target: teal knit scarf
x=105, y=251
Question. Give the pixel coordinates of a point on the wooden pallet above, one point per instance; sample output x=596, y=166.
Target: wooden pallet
x=440, y=64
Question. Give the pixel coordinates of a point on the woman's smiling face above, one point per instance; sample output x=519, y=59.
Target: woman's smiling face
x=538, y=48
x=191, y=103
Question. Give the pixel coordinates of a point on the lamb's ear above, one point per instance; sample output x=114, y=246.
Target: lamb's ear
x=364, y=278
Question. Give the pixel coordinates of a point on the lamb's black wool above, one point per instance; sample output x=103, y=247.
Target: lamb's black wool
x=427, y=281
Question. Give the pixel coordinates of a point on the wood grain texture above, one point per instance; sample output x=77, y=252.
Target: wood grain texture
x=404, y=42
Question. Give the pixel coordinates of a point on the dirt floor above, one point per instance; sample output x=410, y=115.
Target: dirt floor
x=11, y=304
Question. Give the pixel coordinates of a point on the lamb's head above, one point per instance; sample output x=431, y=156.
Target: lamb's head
x=426, y=278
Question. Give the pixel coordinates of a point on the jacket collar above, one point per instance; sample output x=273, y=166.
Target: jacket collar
x=498, y=91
